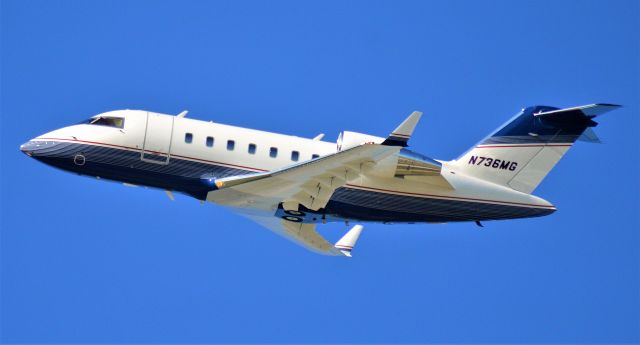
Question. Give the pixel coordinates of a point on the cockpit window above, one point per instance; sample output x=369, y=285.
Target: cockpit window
x=110, y=121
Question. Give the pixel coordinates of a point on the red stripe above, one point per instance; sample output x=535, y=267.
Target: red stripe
x=524, y=145
x=448, y=197
x=347, y=185
x=154, y=152
x=88, y=142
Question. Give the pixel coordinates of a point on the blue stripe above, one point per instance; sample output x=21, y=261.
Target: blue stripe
x=181, y=175
x=365, y=205
x=193, y=178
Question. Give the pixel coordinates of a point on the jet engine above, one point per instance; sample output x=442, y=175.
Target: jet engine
x=347, y=140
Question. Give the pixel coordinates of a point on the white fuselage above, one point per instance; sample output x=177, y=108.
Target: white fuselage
x=183, y=154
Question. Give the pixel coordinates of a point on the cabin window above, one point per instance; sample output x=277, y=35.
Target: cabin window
x=273, y=152
x=108, y=121
x=188, y=138
x=231, y=145
x=295, y=155
x=315, y=155
x=252, y=149
x=209, y=141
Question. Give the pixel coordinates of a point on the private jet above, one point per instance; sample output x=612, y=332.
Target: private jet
x=291, y=185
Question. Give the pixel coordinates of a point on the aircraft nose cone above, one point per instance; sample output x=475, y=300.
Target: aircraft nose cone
x=26, y=148
x=31, y=147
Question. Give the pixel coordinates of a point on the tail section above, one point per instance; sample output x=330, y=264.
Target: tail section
x=523, y=151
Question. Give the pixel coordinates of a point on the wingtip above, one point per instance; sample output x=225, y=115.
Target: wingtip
x=348, y=241
x=400, y=136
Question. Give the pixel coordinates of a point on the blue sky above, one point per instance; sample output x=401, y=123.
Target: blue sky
x=90, y=261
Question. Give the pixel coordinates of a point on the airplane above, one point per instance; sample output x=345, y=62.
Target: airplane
x=291, y=185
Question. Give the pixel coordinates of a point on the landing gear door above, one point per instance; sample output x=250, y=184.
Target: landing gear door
x=157, y=139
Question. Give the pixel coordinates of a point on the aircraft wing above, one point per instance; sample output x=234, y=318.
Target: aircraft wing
x=310, y=184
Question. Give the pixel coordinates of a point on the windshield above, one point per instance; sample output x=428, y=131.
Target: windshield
x=109, y=121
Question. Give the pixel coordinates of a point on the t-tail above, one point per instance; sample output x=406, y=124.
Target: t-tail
x=523, y=151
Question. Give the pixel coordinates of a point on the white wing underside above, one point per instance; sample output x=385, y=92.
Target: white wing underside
x=311, y=184
x=303, y=234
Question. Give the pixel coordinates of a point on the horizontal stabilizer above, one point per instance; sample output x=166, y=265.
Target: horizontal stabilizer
x=590, y=110
x=400, y=136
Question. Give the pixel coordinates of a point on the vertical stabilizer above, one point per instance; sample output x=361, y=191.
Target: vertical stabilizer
x=523, y=151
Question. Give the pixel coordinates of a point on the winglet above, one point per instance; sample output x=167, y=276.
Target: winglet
x=401, y=135
x=348, y=241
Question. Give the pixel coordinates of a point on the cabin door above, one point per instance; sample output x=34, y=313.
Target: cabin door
x=157, y=139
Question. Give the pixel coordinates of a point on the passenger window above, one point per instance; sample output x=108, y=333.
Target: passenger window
x=210, y=141
x=295, y=155
x=231, y=145
x=188, y=138
x=252, y=148
x=273, y=152
x=315, y=155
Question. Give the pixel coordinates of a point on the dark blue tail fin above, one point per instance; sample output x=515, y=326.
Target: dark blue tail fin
x=523, y=151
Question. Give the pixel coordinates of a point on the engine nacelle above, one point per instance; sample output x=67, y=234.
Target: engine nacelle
x=348, y=139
